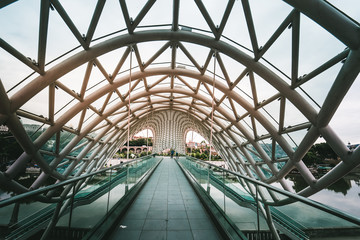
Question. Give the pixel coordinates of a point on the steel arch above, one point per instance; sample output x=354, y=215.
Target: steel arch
x=236, y=139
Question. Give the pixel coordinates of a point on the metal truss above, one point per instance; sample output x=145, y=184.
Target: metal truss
x=174, y=96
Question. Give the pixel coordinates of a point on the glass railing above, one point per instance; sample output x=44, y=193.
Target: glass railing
x=258, y=208
x=71, y=207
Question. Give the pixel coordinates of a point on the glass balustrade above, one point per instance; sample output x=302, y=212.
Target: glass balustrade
x=74, y=205
x=254, y=206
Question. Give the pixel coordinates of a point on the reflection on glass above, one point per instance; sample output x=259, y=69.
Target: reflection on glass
x=95, y=193
x=256, y=207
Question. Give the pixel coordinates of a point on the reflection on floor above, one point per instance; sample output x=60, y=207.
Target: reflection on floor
x=166, y=208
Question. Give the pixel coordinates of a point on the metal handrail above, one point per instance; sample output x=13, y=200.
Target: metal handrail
x=32, y=193
x=292, y=196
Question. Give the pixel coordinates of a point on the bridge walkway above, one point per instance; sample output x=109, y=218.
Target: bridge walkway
x=166, y=208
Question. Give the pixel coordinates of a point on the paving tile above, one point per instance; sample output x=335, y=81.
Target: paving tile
x=126, y=234
x=178, y=224
x=201, y=223
x=196, y=214
x=157, y=214
x=161, y=191
x=153, y=235
x=133, y=224
x=155, y=224
x=174, y=196
x=205, y=235
x=177, y=214
x=176, y=207
x=175, y=201
x=136, y=215
x=159, y=197
x=179, y=235
x=159, y=201
x=192, y=201
x=141, y=207
x=194, y=207
x=174, y=193
x=158, y=206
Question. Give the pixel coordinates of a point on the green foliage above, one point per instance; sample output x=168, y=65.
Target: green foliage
x=310, y=158
x=324, y=151
x=139, y=142
x=196, y=150
x=204, y=156
x=124, y=155
x=142, y=154
x=318, y=153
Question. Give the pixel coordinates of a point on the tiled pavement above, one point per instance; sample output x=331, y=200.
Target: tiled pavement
x=166, y=208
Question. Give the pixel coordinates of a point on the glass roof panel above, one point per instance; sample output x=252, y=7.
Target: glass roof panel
x=18, y=28
x=111, y=14
x=262, y=11
x=192, y=18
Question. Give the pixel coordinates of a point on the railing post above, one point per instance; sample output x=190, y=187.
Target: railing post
x=15, y=214
x=71, y=210
x=271, y=223
x=208, y=180
x=257, y=212
x=136, y=166
x=53, y=220
x=224, y=191
x=127, y=179
x=108, y=200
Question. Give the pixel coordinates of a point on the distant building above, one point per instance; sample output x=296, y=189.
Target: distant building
x=139, y=137
x=191, y=144
x=3, y=129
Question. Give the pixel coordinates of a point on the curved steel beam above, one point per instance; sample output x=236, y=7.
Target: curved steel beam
x=335, y=22
x=38, y=84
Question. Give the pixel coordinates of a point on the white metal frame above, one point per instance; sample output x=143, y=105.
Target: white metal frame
x=173, y=103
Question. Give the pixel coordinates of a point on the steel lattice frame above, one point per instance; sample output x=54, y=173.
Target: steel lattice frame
x=235, y=138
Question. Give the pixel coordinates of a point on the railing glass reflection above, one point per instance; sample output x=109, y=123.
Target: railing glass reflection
x=64, y=208
x=254, y=206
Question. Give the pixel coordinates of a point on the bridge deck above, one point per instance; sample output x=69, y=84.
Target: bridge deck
x=166, y=208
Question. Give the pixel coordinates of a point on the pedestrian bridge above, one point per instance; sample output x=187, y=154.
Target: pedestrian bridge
x=261, y=81
x=165, y=198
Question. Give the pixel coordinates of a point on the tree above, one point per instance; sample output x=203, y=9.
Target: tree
x=196, y=150
x=310, y=158
x=324, y=151
x=318, y=153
